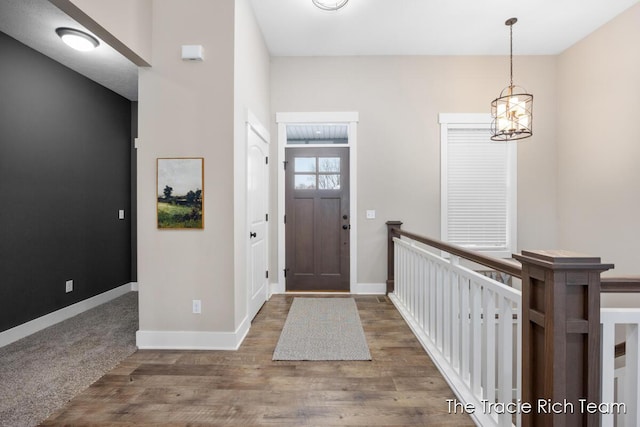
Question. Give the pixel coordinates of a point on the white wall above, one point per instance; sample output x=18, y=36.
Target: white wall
x=599, y=144
x=251, y=86
x=399, y=99
x=186, y=110
x=198, y=109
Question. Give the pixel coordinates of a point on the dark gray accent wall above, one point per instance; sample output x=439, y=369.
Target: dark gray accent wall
x=65, y=170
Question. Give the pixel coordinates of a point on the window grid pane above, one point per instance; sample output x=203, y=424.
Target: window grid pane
x=304, y=164
x=305, y=182
x=328, y=182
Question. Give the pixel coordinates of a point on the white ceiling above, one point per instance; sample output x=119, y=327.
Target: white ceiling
x=362, y=27
x=430, y=27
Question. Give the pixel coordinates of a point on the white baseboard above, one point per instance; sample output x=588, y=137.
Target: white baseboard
x=369, y=289
x=134, y=287
x=192, y=340
x=358, y=289
x=35, y=325
x=277, y=288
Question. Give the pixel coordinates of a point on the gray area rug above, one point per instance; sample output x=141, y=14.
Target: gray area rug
x=322, y=329
x=40, y=373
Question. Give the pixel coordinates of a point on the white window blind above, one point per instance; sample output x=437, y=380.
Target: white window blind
x=478, y=191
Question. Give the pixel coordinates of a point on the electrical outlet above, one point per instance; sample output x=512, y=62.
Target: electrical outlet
x=121, y=214
x=197, y=306
x=371, y=214
x=68, y=286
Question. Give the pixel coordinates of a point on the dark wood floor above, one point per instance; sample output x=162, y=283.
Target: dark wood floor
x=399, y=387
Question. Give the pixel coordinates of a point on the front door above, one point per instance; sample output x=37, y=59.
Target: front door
x=257, y=213
x=317, y=219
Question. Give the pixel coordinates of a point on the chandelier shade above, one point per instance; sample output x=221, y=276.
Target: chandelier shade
x=512, y=115
x=330, y=5
x=512, y=110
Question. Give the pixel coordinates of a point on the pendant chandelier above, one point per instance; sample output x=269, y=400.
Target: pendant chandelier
x=511, y=112
x=330, y=5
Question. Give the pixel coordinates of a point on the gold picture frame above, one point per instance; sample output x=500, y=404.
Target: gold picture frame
x=180, y=193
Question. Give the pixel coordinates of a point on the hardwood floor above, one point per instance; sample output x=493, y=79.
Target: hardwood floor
x=399, y=387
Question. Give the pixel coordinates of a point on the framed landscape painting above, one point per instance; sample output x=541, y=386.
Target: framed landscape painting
x=180, y=193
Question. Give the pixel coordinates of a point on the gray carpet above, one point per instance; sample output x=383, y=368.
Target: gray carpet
x=42, y=372
x=322, y=329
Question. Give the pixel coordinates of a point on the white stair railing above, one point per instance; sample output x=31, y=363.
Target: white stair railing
x=469, y=325
x=620, y=387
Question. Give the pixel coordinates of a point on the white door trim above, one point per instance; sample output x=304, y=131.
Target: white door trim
x=350, y=118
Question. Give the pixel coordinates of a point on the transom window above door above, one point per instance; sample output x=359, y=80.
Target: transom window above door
x=318, y=134
x=316, y=173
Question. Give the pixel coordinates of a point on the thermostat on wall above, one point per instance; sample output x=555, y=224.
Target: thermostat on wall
x=192, y=52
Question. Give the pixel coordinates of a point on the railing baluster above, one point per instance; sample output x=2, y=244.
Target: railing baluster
x=608, y=368
x=410, y=279
x=455, y=314
x=505, y=357
x=476, y=327
x=440, y=308
x=632, y=370
x=432, y=299
x=397, y=268
x=421, y=292
x=464, y=327
x=489, y=318
x=518, y=352
x=446, y=314
x=416, y=295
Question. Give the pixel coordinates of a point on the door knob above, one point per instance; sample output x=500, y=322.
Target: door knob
x=252, y=235
x=345, y=227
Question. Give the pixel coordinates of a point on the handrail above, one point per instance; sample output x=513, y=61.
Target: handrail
x=510, y=267
x=623, y=284
x=626, y=284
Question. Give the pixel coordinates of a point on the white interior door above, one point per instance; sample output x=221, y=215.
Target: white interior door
x=258, y=208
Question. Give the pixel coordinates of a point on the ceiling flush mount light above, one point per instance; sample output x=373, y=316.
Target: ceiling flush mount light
x=511, y=112
x=77, y=39
x=330, y=5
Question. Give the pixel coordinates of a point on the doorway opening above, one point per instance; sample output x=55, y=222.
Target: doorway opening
x=317, y=200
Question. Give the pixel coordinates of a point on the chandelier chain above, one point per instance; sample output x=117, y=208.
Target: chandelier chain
x=511, y=55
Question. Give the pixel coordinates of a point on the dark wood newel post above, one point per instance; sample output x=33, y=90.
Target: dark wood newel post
x=392, y=226
x=560, y=337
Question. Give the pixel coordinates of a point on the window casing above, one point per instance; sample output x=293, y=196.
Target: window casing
x=478, y=186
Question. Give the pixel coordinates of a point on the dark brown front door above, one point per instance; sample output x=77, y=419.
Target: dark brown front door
x=317, y=219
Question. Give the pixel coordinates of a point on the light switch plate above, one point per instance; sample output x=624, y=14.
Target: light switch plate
x=197, y=306
x=371, y=214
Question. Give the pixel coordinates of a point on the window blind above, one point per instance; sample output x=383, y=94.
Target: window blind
x=477, y=190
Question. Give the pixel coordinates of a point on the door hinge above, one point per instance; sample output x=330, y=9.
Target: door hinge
x=266, y=274
x=266, y=160
x=285, y=272
x=266, y=217
x=285, y=219
x=285, y=164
